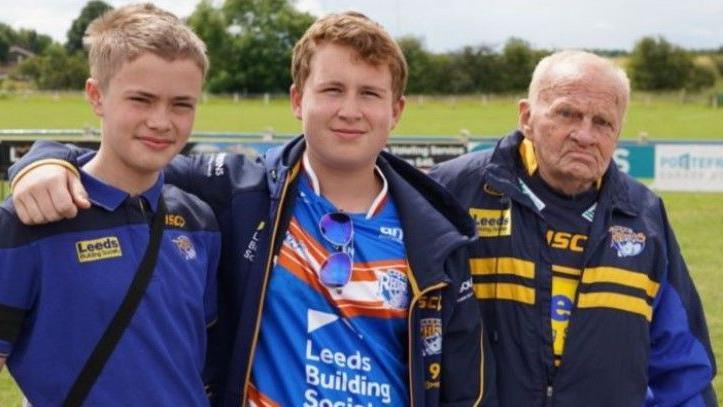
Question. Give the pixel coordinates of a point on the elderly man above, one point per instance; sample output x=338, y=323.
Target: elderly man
x=578, y=274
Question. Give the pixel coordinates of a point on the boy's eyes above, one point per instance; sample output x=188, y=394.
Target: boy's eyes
x=184, y=105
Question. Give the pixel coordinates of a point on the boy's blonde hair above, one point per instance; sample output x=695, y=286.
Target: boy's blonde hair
x=369, y=39
x=122, y=35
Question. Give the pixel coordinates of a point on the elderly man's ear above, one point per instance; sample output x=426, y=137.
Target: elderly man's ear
x=524, y=112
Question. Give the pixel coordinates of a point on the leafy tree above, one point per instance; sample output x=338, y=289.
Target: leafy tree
x=518, y=62
x=656, y=64
x=258, y=37
x=419, y=62
x=485, y=69
x=90, y=12
x=32, y=41
x=55, y=69
x=28, y=39
x=6, y=40
x=701, y=77
x=210, y=25
x=268, y=31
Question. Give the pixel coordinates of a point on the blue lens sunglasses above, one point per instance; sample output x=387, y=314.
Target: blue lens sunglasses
x=338, y=229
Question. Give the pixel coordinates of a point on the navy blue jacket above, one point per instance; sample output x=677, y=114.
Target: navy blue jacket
x=253, y=203
x=636, y=336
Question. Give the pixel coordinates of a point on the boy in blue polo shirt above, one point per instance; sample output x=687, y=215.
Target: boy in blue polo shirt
x=61, y=284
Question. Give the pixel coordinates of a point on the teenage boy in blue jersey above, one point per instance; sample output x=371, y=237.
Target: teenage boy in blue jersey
x=61, y=284
x=345, y=279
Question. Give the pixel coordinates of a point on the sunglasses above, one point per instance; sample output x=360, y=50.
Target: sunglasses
x=337, y=229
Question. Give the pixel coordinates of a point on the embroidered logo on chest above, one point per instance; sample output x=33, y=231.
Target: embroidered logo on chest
x=98, y=249
x=626, y=242
x=185, y=246
x=393, y=289
x=492, y=222
x=431, y=335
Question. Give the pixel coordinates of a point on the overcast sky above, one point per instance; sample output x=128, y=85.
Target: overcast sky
x=450, y=24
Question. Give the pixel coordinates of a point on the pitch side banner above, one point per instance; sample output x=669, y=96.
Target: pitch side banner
x=689, y=167
x=426, y=155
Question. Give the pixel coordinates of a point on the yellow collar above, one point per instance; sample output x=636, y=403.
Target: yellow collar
x=529, y=160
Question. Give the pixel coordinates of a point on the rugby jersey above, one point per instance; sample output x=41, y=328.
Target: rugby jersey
x=335, y=347
x=566, y=237
x=61, y=284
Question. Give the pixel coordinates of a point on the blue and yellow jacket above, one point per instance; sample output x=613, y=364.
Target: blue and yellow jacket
x=636, y=336
x=252, y=200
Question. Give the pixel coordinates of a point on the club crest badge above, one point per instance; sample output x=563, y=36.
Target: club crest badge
x=431, y=336
x=185, y=247
x=393, y=289
x=626, y=242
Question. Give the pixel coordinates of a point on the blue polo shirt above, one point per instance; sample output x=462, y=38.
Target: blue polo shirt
x=61, y=284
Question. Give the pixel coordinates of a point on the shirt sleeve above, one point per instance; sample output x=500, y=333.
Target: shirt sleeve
x=18, y=280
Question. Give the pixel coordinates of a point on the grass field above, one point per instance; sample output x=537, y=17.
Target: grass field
x=696, y=217
x=661, y=117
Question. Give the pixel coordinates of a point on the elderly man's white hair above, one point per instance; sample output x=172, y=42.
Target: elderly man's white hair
x=566, y=66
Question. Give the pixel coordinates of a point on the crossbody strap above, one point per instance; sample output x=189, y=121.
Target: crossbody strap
x=113, y=332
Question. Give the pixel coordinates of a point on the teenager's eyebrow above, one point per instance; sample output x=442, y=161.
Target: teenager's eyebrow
x=330, y=83
x=136, y=92
x=184, y=99
x=181, y=98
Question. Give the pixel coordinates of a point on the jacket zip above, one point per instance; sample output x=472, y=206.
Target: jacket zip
x=410, y=330
x=589, y=249
x=267, y=271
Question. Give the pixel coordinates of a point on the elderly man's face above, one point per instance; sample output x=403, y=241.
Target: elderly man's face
x=574, y=126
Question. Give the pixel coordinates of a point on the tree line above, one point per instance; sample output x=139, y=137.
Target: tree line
x=250, y=43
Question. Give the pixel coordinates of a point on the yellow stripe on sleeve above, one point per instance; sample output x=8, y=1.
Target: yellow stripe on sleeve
x=617, y=301
x=621, y=276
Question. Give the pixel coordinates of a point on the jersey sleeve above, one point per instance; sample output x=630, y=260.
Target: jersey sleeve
x=19, y=271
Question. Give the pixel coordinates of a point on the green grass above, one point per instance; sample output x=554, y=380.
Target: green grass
x=661, y=117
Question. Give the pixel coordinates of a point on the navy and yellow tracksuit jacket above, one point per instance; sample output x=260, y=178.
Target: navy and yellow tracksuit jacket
x=253, y=201
x=636, y=335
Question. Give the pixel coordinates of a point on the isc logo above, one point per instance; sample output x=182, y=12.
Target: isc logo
x=566, y=241
x=175, y=220
x=430, y=302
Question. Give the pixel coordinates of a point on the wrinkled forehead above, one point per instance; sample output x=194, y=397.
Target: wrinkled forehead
x=583, y=84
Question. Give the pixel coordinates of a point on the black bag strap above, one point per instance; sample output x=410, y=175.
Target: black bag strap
x=113, y=332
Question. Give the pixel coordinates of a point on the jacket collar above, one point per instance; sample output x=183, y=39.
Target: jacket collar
x=433, y=222
x=514, y=150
